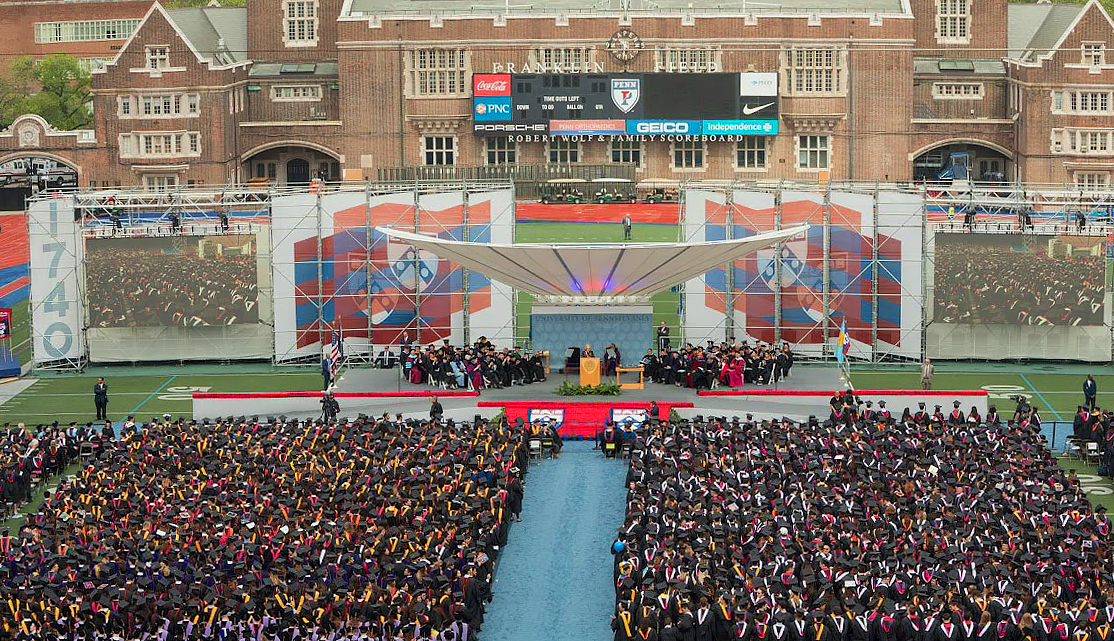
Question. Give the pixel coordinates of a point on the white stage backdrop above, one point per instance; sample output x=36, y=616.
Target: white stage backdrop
x=56, y=256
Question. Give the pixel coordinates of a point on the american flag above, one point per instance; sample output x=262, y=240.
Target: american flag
x=336, y=354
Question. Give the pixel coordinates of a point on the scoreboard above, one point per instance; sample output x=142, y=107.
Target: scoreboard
x=627, y=103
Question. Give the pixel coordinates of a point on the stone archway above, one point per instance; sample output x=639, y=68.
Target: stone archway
x=957, y=159
x=290, y=162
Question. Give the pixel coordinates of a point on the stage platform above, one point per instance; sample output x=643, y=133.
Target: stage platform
x=374, y=391
x=392, y=394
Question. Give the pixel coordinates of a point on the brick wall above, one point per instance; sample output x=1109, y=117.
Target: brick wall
x=18, y=18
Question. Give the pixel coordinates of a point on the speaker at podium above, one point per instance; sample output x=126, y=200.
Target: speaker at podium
x=589, y=370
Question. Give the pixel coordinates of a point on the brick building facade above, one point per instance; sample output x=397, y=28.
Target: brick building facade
x=91, y=30
x=284, y=91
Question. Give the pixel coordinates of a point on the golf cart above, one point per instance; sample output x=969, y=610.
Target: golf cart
x=562, y=190
x=659, y=191
x=613, y=190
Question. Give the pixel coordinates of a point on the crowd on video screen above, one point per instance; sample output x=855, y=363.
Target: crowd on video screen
x=146, y=285
x=1011, y=280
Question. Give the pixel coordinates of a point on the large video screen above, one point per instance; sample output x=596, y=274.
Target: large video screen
x=194, y=281
x=1019, y=279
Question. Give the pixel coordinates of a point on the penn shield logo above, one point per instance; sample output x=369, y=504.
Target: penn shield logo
x=553, y=418
x=625, y=93
x=629, y=417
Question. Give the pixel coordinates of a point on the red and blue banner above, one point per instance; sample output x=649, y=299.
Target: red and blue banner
x=376, y=290
x=779, y=292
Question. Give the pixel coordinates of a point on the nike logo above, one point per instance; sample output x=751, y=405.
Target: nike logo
x=748, y=110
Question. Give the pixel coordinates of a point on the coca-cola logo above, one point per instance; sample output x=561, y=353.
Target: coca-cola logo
x=491, y=84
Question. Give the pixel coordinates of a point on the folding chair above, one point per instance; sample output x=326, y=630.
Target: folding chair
x=1074, y=449
x=535, y=445
x=1093, y=454
x=85, y=452
x=628, y=449
x=547, y=446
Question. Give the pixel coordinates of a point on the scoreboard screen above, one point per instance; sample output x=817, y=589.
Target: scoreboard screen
x=691, y=96
x=627, y=103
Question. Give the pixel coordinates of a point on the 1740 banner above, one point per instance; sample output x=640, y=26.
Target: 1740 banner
x=56, y=256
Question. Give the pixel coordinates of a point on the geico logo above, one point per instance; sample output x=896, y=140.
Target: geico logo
x=662, y=127
x=502, y=127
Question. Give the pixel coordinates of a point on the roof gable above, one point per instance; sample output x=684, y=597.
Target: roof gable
x=201, y=34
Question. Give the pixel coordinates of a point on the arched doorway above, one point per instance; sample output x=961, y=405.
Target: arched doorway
x=297, y=171
x=23, y=176
x=292, y=163
x=958, y=160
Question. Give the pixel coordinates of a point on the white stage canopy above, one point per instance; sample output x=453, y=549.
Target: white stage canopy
x=601, y=271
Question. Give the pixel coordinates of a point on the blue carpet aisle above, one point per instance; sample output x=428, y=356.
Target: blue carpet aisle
x=554, y=578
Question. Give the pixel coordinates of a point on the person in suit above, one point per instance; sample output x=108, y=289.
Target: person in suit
x=435, y=409
x=1090, y=392
x=627, y=227
x=100, y=398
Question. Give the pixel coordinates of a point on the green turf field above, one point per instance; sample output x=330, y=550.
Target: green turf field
x=1057, y=395
x=71, y=398
x=665, y=304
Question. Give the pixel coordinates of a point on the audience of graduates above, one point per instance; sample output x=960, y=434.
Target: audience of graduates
x=29, y=455
x=134, y=288
x=241, y=529
x=998, y=285
x=934, y=528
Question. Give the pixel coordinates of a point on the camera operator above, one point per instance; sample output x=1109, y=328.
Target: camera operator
x=329, y=407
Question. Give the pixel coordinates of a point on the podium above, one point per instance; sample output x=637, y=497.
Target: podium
x=589, y=371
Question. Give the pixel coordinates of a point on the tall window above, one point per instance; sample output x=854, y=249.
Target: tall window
x=686, y=60
x=952, y=19
x=812, y=151
x=1094, y=53
x=300, y=23
x=92, y=64
x=160, y=182
x=158, y=57
x=1092, y=180
x=957, y=90
x=564, y=150
x=562, y=59
x=500, y=150
x=439, y=150
x=751, y=152
x=688, y=154
x=160, y=145
x=814, y=70
x=296, y=93
x=1091, y=142
x=437, y=72
x=84, y=30
x=626, y=152
x=1082, y=102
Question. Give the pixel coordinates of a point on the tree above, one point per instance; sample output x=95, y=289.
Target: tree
x=55, y=87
